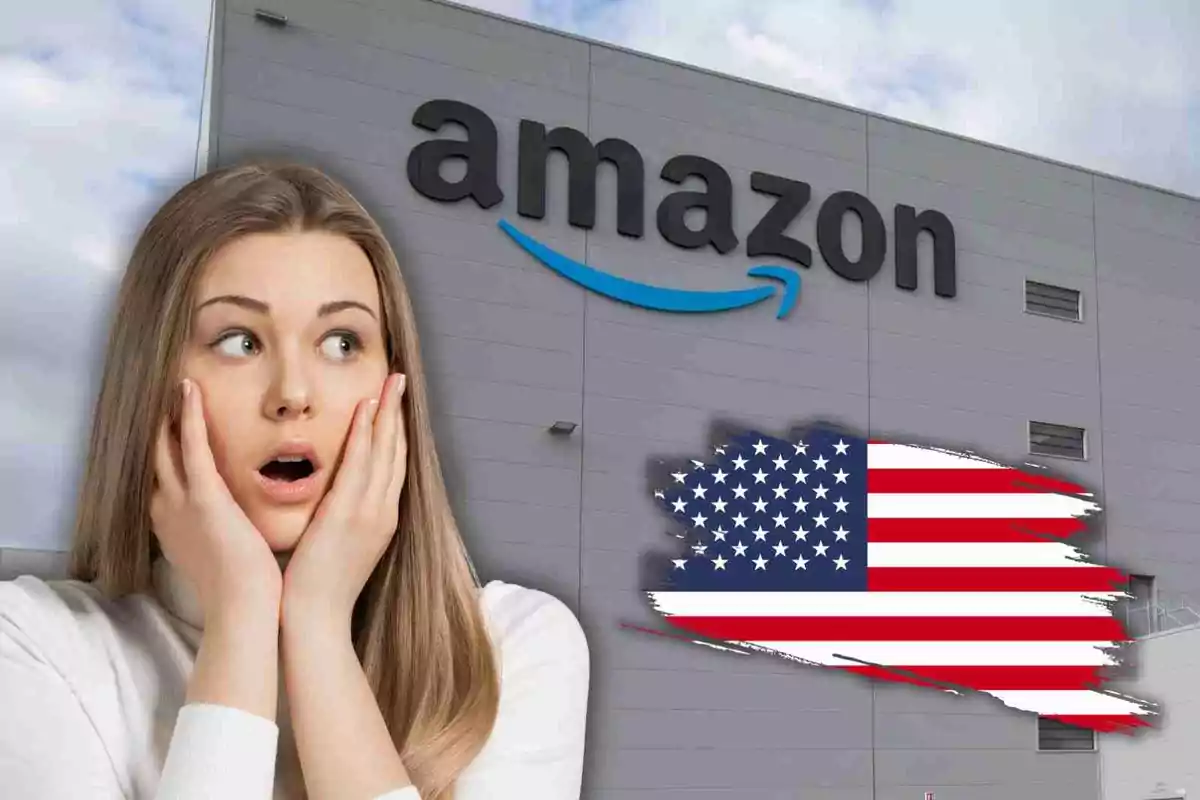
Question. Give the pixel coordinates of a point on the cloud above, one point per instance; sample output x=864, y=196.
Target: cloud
x=99, y=115
x=1115, y=89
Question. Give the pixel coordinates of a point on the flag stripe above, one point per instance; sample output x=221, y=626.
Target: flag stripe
x=882, y=604
x=972, y=530
x=929, y=629
x=1104, y=723
x=941, y=505
x=975, y=654
x=1060, y=701
x=1087, y=578
x=975, y=554
x=989, y=677
x=964, y=481
x=884, y=455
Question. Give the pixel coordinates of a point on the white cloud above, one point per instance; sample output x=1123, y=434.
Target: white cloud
x=99, y=107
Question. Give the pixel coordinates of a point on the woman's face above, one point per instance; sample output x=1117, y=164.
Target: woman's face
x=286, y=340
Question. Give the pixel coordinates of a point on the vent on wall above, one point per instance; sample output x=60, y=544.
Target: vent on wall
x=1053, y=301
x=1061, y=441
x=1055, y=735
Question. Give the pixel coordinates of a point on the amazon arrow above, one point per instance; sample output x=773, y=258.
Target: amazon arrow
x=660, y=298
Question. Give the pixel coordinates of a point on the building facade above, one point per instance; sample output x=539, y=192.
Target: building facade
x=1061, y=328
x=1067, y=329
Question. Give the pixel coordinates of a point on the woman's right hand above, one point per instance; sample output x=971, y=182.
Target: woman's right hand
x=202, y=530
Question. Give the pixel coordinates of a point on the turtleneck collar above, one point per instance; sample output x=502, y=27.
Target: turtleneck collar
x=177, y=595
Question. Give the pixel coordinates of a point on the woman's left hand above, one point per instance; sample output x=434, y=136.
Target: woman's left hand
x=358, y=517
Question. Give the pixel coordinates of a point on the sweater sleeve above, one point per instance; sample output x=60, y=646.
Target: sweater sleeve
x=218, y=751
x=536, y=748
x=49, y=746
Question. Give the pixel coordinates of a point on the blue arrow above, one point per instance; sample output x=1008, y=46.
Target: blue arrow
x=660, y=298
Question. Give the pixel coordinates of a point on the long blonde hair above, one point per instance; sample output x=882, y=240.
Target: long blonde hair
x=418, y=627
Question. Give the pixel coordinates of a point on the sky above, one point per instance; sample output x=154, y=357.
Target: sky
x=100, y=106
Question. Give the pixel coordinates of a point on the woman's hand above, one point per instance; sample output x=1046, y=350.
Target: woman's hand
x=357, y=519
x=202, y=530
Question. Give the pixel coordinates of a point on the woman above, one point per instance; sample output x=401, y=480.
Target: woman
x=265, y=562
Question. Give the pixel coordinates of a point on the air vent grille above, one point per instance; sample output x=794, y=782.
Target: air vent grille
x=1053, y=301
x=1060, y=441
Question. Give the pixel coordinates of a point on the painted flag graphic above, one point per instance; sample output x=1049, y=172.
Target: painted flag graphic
x=902, y=562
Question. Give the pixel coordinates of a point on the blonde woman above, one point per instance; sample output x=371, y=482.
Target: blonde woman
x=269, y=596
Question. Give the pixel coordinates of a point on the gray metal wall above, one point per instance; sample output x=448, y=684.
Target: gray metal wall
x=512, y=348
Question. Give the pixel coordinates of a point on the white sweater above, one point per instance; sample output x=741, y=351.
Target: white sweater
x=92, y=702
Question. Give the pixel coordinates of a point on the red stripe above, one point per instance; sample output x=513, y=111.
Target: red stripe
x=1104, y=723
x=907, y=629
x=971, y=530
x=994, y=678
x=995, y=579
x=964, y=481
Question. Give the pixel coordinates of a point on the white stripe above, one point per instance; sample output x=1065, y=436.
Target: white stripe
x=883, y=604
x=950, y=654
x=1065, y=701
x=974, y=554
x=904, y=456
x=976, y=506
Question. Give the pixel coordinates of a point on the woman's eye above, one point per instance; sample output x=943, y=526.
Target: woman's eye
x=340, y=346
x=237, y=344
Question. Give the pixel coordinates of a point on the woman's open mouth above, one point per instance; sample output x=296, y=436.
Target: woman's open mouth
x=290, y=475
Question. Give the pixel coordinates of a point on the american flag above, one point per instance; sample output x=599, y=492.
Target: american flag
x=901, y=562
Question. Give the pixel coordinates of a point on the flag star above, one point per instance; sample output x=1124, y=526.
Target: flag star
x=719, y=562
x=760, y=563
x=739, y=492
x=739, y=521
x=801, y=533
x=821, y=462
x=678, y=476
x=760, y=448
x=699, y=491
x=760, y=534
x=658, y=495
x=719, y=506
x=820, y=520
x=780, y=521
x=840, y=504
x=801, y=562
x=780, y=492
x=719, y=476
x=740, y=548
x=760, y=505
x=801, y=505
x=841, y=476
x=841, y=562
x=699, y=520
x=760, y=477
x=821, y=547
x=680, y=563
x=679, y=505
x=698, y=464
x=841, y=447
x=780, y=549
x=801, y=448
x=801, y=476
x=718, y=451
x=780, y=462
x=739, y=463
x=841, y=534
x=699, y=548
x=820, y=491
x=719, y=534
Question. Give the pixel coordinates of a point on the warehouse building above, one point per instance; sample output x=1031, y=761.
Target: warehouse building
x=985, y=299
x=1044, y=313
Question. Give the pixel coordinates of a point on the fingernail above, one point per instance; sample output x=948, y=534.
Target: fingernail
x=187, y=387
x=398, y=388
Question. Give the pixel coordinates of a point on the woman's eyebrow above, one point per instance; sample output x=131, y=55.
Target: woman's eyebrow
x=262, y=308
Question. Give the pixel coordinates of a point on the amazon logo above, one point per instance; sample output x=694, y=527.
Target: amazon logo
x=767, y=239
